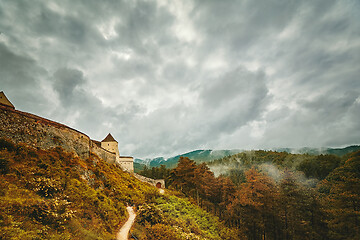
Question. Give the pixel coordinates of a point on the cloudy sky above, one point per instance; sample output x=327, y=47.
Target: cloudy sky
x=167, y=77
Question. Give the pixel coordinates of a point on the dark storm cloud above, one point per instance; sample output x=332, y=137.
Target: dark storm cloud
x=66, y=81
x=145, y=27
x=324, y=121
x=233, y=99
x=19, y=74
x=171, y=76
x=238, y=23
x=236, y=85
x=10, y=61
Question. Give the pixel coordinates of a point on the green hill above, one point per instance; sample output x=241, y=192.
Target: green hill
x=318, y=151
x=197, y=155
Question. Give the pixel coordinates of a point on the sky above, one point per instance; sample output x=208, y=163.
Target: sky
x=168, y=77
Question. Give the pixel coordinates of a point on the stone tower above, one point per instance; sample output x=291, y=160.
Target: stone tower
x=110, y=144
x=4, y=101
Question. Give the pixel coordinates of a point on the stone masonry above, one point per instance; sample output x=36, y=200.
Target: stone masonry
x=23, y=127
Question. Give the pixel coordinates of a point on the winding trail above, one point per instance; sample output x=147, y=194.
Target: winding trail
x=124, y=230
x=123, y=233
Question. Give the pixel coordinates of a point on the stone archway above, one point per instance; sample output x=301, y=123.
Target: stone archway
x=158, y=184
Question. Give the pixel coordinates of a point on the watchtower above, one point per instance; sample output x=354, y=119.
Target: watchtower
x=110, y=144
x=4, y=101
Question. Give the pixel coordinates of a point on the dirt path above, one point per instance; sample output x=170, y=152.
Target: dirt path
x=124, y=230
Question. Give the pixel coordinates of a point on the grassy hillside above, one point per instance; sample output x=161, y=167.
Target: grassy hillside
x=54, y=195
x=172, y=217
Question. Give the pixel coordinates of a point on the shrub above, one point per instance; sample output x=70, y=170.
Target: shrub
x=161, y=232
x=149, y=214
x=45, y=187
x=4, y=166
x=54, y=212
x=7, y=144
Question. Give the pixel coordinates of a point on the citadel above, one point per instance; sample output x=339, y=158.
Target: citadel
x=38, y=132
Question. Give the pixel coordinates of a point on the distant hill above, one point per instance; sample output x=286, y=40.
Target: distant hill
x=197, y=156
x=317, y=151
x=209, y=155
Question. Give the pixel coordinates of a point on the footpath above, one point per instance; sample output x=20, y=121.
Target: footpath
x=123, y=233
x=124, y=230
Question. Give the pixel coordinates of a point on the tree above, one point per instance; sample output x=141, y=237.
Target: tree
x=227, y=194
x=320, y=166
x=183, y=176
x=344, y=199
x=300, y=211
x=156, y=172
x=254, y=206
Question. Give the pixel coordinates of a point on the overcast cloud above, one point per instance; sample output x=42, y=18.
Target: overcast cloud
x=167, y=77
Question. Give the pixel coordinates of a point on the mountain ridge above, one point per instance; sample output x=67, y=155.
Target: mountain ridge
x=206, y=155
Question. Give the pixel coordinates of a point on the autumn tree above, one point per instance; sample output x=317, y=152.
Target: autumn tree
x=183, y=176
x=227, y=195
x=254, y=206
x=206, y=186
x=300, y=210
x=344, y=199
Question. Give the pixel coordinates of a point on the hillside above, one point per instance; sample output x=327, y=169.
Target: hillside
x=317, y=151
x=52, y=194
x=46, y=194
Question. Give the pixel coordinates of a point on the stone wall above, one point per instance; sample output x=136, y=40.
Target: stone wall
x=126, y=163
x=22, y=127
x=107, y=156
x=39, y=132
x=159, y=183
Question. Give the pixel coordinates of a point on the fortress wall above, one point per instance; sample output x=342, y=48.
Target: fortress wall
x=153, y=182
x=107, y=156
x=126, y=163
x=22, y=127
x=39, y=132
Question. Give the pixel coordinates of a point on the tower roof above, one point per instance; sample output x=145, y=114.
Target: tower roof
x=5, y=101
x=109, y=138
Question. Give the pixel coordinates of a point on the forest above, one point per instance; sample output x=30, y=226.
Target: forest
x=274, y=195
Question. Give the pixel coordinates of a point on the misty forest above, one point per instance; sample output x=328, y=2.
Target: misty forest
x=275, y=195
